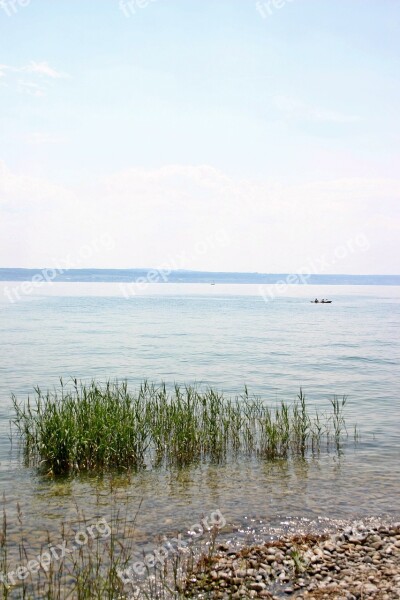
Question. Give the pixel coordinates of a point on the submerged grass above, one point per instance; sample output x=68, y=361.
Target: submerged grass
x=89, y=571
x=89, y=427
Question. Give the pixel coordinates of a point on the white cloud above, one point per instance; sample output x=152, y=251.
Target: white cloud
x=23, y=194
x=28, y=87
x=36, y=77
x=43, y=68
x=298, y=110
x=155, y=214
x=40, y=68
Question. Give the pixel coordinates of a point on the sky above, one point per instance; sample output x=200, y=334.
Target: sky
x=219, y=135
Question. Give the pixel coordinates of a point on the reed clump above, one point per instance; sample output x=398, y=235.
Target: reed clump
x=89, y=427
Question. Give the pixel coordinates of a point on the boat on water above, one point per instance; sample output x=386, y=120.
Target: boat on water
x=316, y=301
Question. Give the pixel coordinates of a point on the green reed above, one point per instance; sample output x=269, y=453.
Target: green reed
x=89, y=427
x=91, y=571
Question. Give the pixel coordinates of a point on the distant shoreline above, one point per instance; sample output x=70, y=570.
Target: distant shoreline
x=181, y=276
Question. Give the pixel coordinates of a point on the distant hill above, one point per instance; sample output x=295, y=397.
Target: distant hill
x=130, y=275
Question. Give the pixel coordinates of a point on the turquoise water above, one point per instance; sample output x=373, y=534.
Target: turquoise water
x=224, y=336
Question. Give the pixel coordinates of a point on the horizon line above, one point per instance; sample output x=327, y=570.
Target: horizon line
x=195, y=271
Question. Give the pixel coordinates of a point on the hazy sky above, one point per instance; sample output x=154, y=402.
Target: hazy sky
x=213, y=134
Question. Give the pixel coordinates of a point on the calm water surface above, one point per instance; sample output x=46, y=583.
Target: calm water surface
x=224, y=336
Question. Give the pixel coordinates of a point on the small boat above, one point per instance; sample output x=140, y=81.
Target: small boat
x=321, y=301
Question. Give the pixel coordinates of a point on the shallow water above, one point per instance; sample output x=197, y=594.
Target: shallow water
x=224, y=336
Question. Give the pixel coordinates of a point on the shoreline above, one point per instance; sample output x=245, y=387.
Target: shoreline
x=358, y=561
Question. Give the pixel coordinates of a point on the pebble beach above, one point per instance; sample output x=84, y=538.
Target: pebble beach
x=357, y=562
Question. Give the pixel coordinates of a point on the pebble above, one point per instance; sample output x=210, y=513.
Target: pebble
x=355, y=562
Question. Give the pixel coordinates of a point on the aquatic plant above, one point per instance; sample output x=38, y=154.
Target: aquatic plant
x=89, y=427
x=86, y=571
x=101, y=558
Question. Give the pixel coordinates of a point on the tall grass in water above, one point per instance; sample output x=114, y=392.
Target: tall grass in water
x=94, y=427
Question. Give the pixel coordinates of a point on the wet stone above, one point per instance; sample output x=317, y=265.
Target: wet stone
x=354, y=563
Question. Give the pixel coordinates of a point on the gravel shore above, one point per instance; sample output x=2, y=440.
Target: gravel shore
x=357, y=562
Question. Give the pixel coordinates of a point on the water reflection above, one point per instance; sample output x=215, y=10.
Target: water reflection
x=259, y=499
x=273, y=349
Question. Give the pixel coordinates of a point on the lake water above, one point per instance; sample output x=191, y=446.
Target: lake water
x=224, y=336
